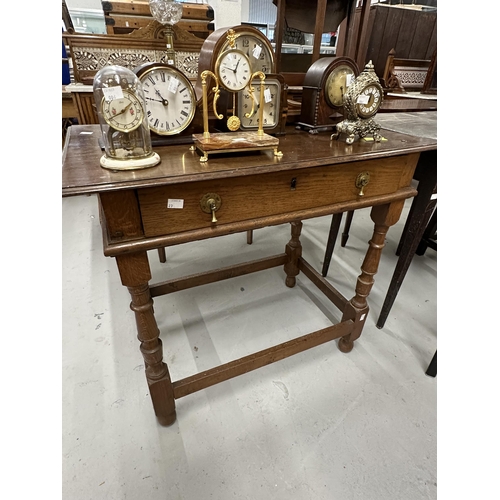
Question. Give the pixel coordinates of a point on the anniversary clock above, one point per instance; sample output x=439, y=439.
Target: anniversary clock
x=121, y=109
x=233, y=72
x=171, y=106
x=362, y=100
x=325, y=84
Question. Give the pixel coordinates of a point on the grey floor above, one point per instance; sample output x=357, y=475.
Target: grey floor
x=319, y=425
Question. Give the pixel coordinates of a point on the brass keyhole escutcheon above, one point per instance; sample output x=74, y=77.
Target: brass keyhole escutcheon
x=361, y=181
x=210, y=203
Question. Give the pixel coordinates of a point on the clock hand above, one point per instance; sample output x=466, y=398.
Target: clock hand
x=124, y=109
x=236, y=67
x=164, y=101
x=156, y=100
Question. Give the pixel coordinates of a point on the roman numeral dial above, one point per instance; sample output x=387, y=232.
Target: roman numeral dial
x=170, y=98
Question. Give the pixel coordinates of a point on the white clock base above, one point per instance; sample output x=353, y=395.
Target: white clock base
x=130, y=164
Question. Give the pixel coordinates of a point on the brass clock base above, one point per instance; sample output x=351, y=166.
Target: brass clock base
x=130, y=164
x=359, y=127
x=235, y=142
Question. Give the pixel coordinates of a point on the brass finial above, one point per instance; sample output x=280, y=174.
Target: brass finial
x=231, y=37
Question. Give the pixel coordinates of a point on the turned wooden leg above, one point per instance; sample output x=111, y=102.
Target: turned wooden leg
x=135, y=274
x=356, y=309
x=294, y=251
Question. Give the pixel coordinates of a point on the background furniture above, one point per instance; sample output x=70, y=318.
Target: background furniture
x=123, y=17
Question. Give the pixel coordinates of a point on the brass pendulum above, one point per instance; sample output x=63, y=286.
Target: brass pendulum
x=233, y=122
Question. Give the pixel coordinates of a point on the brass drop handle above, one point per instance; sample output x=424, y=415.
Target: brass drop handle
x=361, y=181
x=210, y=203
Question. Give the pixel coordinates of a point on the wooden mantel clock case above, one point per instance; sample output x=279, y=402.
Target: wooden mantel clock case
x=315, y=177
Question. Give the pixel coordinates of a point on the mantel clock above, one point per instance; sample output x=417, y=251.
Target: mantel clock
x=325, y=84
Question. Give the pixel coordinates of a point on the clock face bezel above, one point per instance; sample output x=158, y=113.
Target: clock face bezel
x=240, y=67
x=334, y=74
x=258, y=39
x=240, y=111
x=217, y=42
x=128, y=95
x=147, y=71
x=373, y=104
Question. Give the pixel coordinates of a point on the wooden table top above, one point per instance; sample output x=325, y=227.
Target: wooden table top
x=82, y=173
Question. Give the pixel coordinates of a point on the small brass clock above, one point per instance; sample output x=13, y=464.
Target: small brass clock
x=361, y=102
x=121, y=109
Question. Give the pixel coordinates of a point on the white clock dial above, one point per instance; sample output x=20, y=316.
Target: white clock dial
x=170, y=99
x=369, y=101
x=125, y=113
x=233, y=70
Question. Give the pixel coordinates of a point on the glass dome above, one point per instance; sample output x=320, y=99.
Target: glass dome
x=121, y=109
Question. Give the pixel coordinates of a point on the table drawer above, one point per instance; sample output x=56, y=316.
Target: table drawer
x=249, y=197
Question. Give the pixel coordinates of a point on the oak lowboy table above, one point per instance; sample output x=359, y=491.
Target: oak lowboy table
x=162, y=206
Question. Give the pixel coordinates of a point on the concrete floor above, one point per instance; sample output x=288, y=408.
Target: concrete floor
x=318, y=425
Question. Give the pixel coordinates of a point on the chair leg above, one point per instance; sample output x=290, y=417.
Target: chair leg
x=347, y=227
x=432, y=369
x=429, y=236
x=332, y=237
x=162, y=254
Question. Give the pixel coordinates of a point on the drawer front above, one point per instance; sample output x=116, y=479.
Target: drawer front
x=250, y=197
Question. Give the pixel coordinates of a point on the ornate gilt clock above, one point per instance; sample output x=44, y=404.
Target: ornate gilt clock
x=171, y=105
x=324, y=86
x=233, y=72
x=251, y=42
x=362, y=101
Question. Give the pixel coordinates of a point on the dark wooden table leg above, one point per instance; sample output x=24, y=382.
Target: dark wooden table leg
x=347, y=228
x=250, y=236
x=162, y=254
x=428, y=237
x=418, y=217
x=412, y=240
x=432, y=368
x=356, y=309
x=293, y=250
x=330, y=244
x=135, y=275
